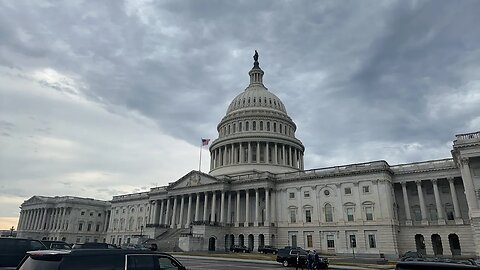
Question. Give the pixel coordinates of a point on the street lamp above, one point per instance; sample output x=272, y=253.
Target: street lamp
x=11, y=231
x=141, y=231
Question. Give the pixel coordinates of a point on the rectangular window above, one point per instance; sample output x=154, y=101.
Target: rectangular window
x=330, y=241
x=369, y=213
x=309, y=241
x=89, y=227
x=293, y=216
x=91, y=214
x=417, y=213
x=353, y=241
x=82, y=213
x=366, y=189
x=308, y=216
x=292, y=195
x=306, y=194
x=350, y=214
x=371, y=241
x=99, y=214
x=77, y=240
x=97, y=228
x=294, y=241
x=348, y=191
x=80, y=226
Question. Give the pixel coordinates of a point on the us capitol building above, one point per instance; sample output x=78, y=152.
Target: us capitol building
x=258, y=193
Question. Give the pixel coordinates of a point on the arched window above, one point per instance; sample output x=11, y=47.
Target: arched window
x=280, y=128
x=254, y=125
x=246, y=126
x=234, y=127
x=261, y=125
x=274, y=127
x=328, y=213
x=268, y=126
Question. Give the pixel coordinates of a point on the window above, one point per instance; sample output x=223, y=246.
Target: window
x=293, y=216
x=330, y=241
x=268, y=126
x=91, y=214
x=308, y=216
x=123, y=210
x=274, y=127
x=369, y=213
x=417, y=214
x=89, y=227
x=261, y=125
x=99, y=214
x=366, y=189
x=309, y=241
x=240, y=126
x=80, y=226
x=328, y=213
x=432, y=211
x=246, y=126
x=326, y=192
x=348, y=191
x=350, y=211
x=292, y=195
x=306, y=194
x=371, y=241
x=449, y=211
x=353, y=241
x=294, y=241
x=97, y=228
x=82, y=213
x=254, y=125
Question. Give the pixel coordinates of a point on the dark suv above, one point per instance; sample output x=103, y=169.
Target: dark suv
x=98, y=259
x=56, y=244
x=12, y=250
x=267, y=249
x=288, y=256
x=92, y=245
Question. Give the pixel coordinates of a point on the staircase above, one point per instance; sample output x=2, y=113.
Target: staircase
x=168, y=241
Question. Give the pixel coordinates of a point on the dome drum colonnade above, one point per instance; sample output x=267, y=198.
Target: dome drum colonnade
x=256, y=133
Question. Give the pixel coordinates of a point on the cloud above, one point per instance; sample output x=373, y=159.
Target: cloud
x=119, y=93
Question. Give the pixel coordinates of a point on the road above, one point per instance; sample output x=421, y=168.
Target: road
x=216, y=264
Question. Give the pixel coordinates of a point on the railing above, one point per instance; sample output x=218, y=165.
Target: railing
x=207, y=223
x=468, y=136
x=424, y=165
x=156, y=225
x=131, y=196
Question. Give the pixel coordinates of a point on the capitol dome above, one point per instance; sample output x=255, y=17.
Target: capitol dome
x=256, y=134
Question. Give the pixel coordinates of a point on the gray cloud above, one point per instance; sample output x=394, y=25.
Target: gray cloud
x=366, y=80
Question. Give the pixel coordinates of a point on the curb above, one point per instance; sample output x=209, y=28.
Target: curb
x=331, y=266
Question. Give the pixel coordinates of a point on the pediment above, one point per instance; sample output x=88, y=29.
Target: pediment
x=194, y=178
x=35, y=200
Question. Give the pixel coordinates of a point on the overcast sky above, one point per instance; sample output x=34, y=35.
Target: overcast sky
x=101, y=98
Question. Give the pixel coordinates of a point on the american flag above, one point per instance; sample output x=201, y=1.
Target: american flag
x=205, y=141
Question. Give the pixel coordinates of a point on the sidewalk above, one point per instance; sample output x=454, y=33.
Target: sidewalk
x=352, y=265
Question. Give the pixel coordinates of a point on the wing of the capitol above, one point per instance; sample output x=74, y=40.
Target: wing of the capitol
x=258, y=193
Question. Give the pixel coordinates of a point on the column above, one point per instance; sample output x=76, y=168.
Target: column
x=53, y=212
x=197, y=207
x=456, y=207
x=438, y=203
x=247, y=208
x=27, y=219
x=468, y=185
x=267, y=153
x=167, y=214
x=153, y=210
x=275, y=160
x=249, y=153
x=233, y=154
x=214, y=201
x=290, y=163
x=212, y=158
x=189, y=211
x=257, y=207
x=20, y=220
x=222, y=207
x=274, y=206
x=229, y=208
x=34, y=219
x=422, y=201
x=267, y=207
x=258, y=152
x=224, y=150
x=174, y=212
x=150, y=213
x=241, y=153
x=283, y=155
x=406, y=204
x=205, y=204
x=182, y=205
x=237, y=212
x=60, y=218
x=162, y=210
x=105, y=221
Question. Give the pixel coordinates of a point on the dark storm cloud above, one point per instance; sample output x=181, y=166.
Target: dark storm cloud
x=363, y=80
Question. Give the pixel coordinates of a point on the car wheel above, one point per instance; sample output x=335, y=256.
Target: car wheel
x=244, y=251
x=285, y=263
x=274, y=252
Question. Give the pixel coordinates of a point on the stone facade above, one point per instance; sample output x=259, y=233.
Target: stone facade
x=258, y=193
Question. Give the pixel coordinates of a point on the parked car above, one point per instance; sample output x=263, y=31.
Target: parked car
x=411, y=254
x=239, y=248
x=134, y=246
x=267, y=249
x=87, y=259
x=288, y=256
x=56, y=244
x=12, y=250
x=94, y=246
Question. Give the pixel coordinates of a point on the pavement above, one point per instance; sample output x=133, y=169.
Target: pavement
x=357, y=264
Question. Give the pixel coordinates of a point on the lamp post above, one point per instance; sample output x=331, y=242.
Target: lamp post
x=11, y=231
x=141, y=231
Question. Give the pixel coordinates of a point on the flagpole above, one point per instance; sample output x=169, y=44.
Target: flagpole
x=200, y=163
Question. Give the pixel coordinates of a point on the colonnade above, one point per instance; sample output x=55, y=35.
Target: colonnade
x=171, y=211
x=257, y=152
x=438, y=203
x=42, y=219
